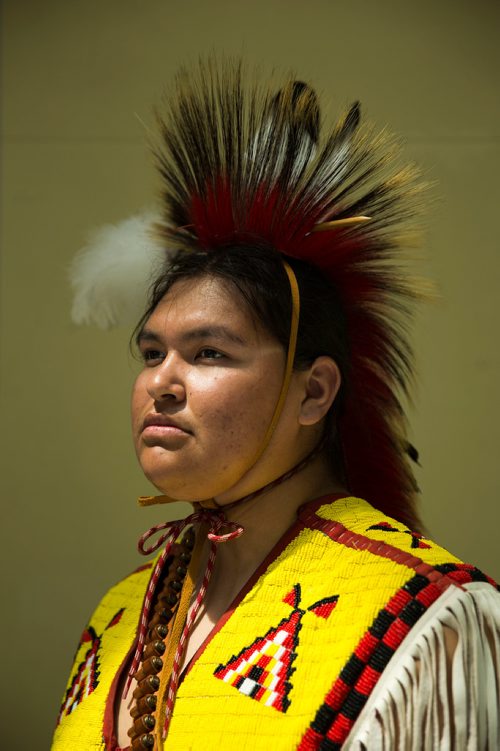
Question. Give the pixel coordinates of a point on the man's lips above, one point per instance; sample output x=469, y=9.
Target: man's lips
x=163, y=423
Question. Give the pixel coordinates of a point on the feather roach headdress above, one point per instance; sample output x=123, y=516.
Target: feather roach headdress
x=243, y=161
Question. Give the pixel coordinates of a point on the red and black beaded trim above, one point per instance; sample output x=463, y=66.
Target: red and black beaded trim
x=348, y=695
x=464, y=573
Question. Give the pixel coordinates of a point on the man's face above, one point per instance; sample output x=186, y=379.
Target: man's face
x=207, y=392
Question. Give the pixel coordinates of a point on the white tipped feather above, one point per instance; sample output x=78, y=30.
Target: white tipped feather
x=111, y=275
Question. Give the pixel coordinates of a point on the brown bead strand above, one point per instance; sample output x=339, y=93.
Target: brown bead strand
x=148, y=683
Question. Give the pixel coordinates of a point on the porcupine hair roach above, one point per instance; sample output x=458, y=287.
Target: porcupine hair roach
x=247, y=169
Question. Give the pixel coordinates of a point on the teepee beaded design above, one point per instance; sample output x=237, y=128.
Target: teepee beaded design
x=86, y=677
x=263, y=670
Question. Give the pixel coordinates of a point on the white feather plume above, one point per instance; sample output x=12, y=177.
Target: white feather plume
x=111, y=275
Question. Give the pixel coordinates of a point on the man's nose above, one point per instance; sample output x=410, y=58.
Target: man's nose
x=166, y=381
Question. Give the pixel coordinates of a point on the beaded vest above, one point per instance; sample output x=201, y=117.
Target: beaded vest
x=293, y=661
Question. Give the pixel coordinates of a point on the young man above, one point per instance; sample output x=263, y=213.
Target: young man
x=286, y=611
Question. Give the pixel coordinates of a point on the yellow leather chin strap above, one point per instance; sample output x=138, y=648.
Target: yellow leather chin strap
x=150, y=500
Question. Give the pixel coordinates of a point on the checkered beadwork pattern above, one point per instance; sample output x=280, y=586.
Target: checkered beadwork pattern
x=348, y=695
x=464, y=573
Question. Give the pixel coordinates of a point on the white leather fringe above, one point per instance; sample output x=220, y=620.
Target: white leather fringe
x=428, y=701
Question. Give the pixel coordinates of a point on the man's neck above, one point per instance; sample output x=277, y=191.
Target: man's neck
x=267, y=517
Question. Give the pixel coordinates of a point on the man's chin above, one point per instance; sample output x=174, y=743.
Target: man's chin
x=171, y=489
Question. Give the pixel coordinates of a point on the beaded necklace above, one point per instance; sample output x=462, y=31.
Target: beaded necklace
x=163, y=611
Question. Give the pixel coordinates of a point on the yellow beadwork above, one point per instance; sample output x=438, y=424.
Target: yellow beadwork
x=210, y=713
x=82, y=728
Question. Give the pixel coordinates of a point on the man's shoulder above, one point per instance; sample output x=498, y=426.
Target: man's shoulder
x=355, y=524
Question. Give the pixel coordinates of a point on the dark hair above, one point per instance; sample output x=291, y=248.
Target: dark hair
x=257, y=273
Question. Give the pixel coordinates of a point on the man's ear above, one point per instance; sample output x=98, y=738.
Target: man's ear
x=321, y=384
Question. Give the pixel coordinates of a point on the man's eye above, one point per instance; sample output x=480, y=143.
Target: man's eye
x=210, y=354
x=152, y=355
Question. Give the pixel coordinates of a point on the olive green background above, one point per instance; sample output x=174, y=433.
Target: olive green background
x=78, y=77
